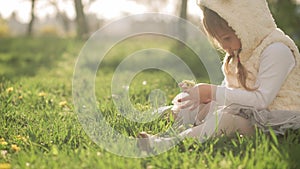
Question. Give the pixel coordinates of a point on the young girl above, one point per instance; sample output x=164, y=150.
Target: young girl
x=262, y=76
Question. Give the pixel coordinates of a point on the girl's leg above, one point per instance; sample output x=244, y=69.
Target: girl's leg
x=228, y=124
x=214, y=125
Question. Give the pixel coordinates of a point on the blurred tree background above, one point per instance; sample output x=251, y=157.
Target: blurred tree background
x=286, y=14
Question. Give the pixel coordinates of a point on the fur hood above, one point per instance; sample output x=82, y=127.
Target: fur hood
x=251, y=20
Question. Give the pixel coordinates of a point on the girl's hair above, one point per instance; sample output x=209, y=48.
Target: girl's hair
x=213, y=22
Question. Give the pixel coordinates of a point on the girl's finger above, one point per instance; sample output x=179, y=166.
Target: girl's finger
x=186, y=105
x=186, y=98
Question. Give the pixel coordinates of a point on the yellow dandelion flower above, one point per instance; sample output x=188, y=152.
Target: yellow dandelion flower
x=5, y=166
x=63, y=103
x=20, y=97
x=10, y=89
x=2, y=139
x=15, y=147
x=19, y=137
x=188, y=83
x=42, y=94
x=4, y=143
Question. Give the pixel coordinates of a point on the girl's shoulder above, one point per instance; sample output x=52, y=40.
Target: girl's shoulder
x=278, y=53
x=277, y=46
x=278, y=49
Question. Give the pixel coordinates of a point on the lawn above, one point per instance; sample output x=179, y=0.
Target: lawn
x=40, y=127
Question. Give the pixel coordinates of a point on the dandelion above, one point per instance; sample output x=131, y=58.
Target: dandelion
x=186, y=84
x=5, y=166
x=15, y=147
x=42, y=94
x=19, y=137
x=62, y=103
x=3, y=143
x=10, y=89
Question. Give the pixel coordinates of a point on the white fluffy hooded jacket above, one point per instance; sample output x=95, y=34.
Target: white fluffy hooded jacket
x=256, y=28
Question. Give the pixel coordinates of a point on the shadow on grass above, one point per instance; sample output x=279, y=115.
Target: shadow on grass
x=289, y=146
x=259, y=150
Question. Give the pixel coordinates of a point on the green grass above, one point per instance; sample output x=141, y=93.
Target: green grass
x=39, y=128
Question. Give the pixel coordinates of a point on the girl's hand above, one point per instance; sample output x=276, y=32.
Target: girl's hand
x=201, y=93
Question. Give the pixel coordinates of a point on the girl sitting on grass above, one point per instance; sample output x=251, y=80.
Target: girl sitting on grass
x=262, y=76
